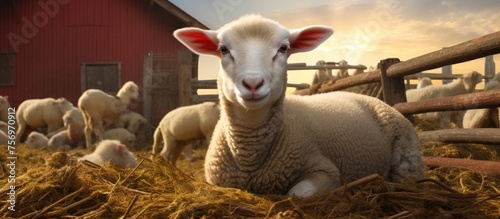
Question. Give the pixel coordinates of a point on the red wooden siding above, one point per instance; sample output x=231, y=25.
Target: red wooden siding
x=66, y=35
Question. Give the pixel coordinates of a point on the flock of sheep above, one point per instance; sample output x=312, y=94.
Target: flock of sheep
x=261, y=140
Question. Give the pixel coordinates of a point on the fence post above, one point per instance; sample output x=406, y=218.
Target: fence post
x=394, y=89
x=185, y=76
x=446, y=70
x=489, y=68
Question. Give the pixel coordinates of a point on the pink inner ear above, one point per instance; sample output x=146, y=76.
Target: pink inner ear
x=308, y=38
x=121, y=147
x=200, y=40
x=6, y=97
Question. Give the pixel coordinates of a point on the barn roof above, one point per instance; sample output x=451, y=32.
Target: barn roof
x=182, y=15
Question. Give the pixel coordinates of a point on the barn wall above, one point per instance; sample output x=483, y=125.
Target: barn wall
x=51, y=42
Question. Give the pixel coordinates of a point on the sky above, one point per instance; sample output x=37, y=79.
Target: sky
x=366, y=31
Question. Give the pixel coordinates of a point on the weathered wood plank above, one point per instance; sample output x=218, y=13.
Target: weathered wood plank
x=491, y=168
x=466, y=51
x=351, y=81
x=195, y=99
x=478, y=136
x=460, y=102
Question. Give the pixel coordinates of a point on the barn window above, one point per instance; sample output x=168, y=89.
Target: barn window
x=7, y=68
x=103, y=76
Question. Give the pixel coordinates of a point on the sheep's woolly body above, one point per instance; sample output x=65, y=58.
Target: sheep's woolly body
x=184, y=125
x=4, y=108
x=39, y=113
x=36, y=139
x=487, y=117
x=273, y=160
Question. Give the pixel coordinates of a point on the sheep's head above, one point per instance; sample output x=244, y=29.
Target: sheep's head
x=129, y=89
x=64, y=105
x=471, y=79
x=253, y=52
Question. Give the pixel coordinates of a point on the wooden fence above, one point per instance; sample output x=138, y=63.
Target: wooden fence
x=392, y=74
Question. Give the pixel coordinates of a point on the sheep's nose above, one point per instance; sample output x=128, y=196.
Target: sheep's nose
x=253, y=84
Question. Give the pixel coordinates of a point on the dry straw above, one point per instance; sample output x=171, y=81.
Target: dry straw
x=61, y=187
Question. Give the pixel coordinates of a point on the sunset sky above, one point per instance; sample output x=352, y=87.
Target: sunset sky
x=366, y=31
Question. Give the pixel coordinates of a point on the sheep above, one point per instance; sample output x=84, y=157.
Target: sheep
x=121, y=134
x=269, y=142
x=182, y=126
x=320, y=75
x=342, y=73
x=424, y=82
x=136, y=124
x=4, y=126
x=4, y=107
x=39, y=113
x=113, y=151
x=36, y=139
x=462, y=85
x=102, y=110
x=60, y=141
x=487, y=117
x=4, y=139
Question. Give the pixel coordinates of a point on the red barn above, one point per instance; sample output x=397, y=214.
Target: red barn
x=60, y=48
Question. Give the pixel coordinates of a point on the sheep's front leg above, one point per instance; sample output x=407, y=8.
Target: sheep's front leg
x=313, y=183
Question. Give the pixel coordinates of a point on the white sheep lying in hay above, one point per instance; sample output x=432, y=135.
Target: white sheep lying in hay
x=4, y=108
x=102, y=110
x=182, y=126
x=266, y=142
x=112, y=151
x=462, y=85
x=36, y=139
x=487, y=117
x=39, y=113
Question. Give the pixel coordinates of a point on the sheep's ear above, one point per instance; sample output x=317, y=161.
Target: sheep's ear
x=202, y=42
x=308, y=38
x=121, y=147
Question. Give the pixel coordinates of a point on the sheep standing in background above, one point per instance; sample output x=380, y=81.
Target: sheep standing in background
x=342, y=73
x=4, y=108
x=39, y=113
x=269, y=142
x=424, y=82
x=112, y=151
x=487, y=117
x=462, y=85
x=182, y=126
x=121, y=134
x=320, y=75
x=36, y=139
x=102, y=110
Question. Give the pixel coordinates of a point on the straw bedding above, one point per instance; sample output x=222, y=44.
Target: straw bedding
x=55, y=185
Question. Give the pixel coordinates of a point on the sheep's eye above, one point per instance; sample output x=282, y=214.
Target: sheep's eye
x=283, y=49
x=224, y=50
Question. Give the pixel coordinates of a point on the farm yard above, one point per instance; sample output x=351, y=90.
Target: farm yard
x=95, y=149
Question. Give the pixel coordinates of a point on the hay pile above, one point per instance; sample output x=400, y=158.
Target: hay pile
x=61, y=187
